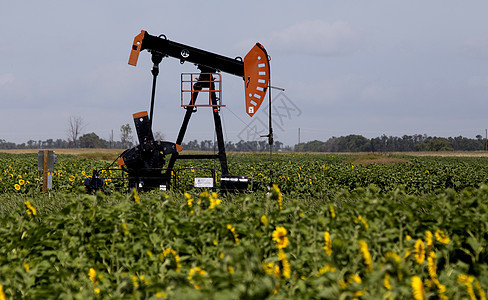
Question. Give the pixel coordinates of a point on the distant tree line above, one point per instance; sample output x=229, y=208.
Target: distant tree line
x=92, y=140
x=241, y=146
x=417, y=142
x=77, y=140
x=350, y=143
x=89, y=140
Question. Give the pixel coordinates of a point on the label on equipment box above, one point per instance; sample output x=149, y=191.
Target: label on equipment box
x=203, y=182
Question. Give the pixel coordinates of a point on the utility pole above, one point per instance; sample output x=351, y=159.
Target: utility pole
x=112, y=139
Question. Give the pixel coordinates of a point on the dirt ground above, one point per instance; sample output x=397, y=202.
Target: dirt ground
x=447, y=153
x=66, y=151
x=104, y=151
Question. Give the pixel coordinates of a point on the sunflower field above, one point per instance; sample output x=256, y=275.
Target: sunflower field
x=331, y=227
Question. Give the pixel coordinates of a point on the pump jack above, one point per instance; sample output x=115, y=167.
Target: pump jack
x=144, y=162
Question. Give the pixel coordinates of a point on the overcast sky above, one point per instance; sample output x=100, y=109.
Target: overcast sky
x=348, y=67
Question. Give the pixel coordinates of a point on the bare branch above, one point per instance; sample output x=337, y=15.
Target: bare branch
x=76, y=125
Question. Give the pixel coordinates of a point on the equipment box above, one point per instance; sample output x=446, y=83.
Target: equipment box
x=234, y=183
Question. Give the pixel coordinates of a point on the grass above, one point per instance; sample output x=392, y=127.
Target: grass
x=372, y=158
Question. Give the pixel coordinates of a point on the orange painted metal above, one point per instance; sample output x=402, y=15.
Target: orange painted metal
x=140, y=114
x=136, y=48
x=188, y=81
x=256, y=77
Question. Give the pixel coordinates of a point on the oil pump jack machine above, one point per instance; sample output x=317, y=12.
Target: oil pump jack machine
x=144, y=162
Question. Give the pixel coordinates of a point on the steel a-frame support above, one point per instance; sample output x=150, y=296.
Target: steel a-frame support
x=204, y=81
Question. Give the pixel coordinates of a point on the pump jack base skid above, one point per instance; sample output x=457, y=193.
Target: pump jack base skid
x=109, y=180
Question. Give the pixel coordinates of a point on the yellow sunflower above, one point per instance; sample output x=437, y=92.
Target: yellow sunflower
x=285, y=264
x=234, y=234
x=467, y=280
x=92, y=274
x=332, y=212
x=386, y=281
x=328, y=243
x=31, y=210
x=363, y=248
x=275, y=194
x=480, y=290
x=417, y=288
x=429, y=240
x=2, y=294
x=431, y=266
x=441, y=237
x=279, y=236
x=198, y=272
x=419, y=251
x=362, y=220
x=175, y=256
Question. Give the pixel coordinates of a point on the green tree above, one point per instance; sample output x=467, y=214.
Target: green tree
x=91, y=140
x=126, y=135
x=434, y=144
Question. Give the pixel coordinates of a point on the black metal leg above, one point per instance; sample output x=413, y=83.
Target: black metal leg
x=220, y=136
x=184, y=126
x=217, y=123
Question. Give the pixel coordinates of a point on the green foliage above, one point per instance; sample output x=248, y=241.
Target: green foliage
x=417, y=142
x=434, y=144
x=352, y=231
x=91, y=140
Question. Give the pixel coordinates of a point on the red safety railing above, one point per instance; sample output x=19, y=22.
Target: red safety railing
x=209, y=83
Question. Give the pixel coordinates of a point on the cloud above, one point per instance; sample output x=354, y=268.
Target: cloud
x=378, y=94
x=475, y=47
x=316, y=37
x=15, y=91
x=6, y=79
x=345, y=90
x=478, y=82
